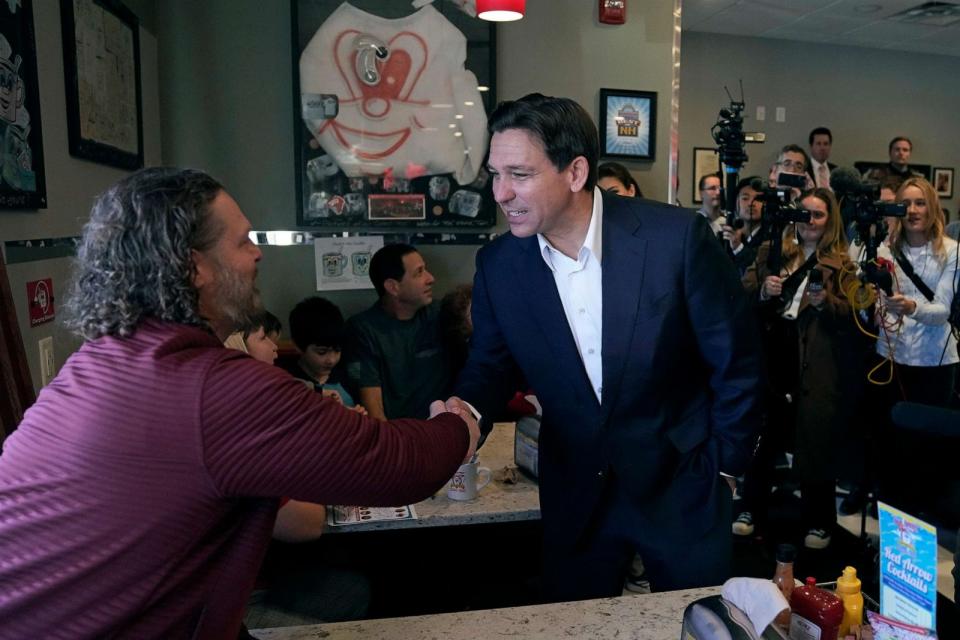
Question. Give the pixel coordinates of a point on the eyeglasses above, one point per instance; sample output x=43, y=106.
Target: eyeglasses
x=791, y=165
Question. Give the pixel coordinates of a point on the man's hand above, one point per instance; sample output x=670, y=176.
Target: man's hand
x=459, y=407
x=733, y=236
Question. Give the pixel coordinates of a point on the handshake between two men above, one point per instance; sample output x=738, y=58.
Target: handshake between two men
x=458, y=407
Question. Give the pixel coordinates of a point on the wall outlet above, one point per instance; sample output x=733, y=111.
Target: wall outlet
x=781, y=114
x=47, y=366
x=761, y=113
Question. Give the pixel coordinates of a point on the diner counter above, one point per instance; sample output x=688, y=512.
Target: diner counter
x=499, y=501
x=655, y=616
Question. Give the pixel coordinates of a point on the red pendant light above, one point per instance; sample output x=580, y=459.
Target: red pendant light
x=500, y=10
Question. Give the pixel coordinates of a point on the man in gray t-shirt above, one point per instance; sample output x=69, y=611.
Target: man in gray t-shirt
x=393, y=349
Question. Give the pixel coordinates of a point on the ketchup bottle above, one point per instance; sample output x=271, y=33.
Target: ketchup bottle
x=816, y=613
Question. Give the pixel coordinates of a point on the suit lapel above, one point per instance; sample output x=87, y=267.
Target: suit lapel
x=544, y=307
x=624, y=252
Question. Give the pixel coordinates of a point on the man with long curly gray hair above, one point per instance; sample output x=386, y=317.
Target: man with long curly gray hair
x=138, y=494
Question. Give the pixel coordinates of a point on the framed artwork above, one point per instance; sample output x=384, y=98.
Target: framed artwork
x=943, y=181
x=101, y=66
x=628, y=124
x=390, y=117
x=705, y=161
x=23, y=182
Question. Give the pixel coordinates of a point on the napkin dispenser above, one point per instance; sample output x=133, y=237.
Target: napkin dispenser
x=526, y=453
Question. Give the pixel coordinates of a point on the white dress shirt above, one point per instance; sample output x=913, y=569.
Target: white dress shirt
x=925, y=336
x=580, y=285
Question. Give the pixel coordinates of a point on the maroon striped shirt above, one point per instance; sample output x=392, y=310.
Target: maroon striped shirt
x=138, y=494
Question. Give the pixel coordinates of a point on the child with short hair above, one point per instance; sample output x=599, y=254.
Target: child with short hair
x=317, y=329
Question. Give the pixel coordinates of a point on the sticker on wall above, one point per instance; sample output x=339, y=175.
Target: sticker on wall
x=40, y=301
x=344, y=263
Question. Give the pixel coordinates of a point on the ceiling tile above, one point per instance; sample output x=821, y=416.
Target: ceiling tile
x=696, y=11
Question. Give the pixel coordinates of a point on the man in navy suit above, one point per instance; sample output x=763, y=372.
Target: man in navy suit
x=630, y=324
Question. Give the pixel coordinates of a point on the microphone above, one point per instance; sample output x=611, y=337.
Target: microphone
x=846, y=181
x=927, y=419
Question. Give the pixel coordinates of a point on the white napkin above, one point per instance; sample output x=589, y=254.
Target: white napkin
x=760, y=599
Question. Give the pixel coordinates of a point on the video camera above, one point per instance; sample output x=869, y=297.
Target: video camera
x=728, y=133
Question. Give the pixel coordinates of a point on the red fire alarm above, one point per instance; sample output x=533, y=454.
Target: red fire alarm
x=40, y=301
x=613, y=11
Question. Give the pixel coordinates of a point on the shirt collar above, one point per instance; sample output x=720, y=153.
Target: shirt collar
x=592, y=243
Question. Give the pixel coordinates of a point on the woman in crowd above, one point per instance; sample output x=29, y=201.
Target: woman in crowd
x=809, y=346
x=744, y=240
x=614, y=177
x=916, y=336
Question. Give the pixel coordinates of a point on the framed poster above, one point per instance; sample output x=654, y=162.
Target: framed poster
x=23, y=183
x=101, y=67
x=705, y=162
x=943, y=181
x=390, y=115
x=628, y=124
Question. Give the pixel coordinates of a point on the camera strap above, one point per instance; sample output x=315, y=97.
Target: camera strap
x=792, y=283
x=914, y=278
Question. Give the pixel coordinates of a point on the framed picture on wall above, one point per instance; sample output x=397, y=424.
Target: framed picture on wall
x=390, y=107
x=943, y=181
x=23, y=182
x=628, y=124
x=705, y=162
x=101, y=66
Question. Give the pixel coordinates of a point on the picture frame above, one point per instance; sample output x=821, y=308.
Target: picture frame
x=23, y=183
x=101, y=68
x=705, y=161
x=359, y=164
x=943, y=181
x=628, y=124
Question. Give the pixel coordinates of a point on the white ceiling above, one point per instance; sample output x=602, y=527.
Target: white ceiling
x=860, y=23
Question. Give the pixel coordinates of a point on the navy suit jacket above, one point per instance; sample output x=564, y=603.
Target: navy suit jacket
x=680, y=359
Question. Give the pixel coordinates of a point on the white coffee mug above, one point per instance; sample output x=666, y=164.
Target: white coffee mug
x=463, y=484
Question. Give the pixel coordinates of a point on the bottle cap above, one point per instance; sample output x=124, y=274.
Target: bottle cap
x=810, y=581
x=786, y=553
x=848, y=582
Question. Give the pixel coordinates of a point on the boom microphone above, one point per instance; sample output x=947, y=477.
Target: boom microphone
x=846, y=181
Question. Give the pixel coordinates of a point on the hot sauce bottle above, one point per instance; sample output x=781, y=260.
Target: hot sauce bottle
x=783, y=578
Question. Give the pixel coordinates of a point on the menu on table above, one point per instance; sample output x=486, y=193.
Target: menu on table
x=341, y=515
x=908, y=568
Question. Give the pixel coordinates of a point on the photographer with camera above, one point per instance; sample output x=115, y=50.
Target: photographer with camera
x=807, y=336
x=741, y=230
x=917, y=337
x=792, y=161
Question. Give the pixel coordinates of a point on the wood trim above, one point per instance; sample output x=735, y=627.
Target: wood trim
x=16, y=387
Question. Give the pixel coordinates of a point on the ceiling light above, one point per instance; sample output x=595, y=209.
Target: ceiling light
x=500, y=10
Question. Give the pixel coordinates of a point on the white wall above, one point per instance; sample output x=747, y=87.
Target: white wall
x=865, y=96
x=561, y=49
x=71, y=183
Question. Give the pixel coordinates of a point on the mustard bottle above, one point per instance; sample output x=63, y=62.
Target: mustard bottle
x=848, y=588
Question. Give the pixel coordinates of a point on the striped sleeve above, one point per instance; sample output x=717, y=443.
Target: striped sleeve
x=265, y=434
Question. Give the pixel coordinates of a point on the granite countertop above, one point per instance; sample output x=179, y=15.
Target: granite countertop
x=656, y=616
x=497, y=502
